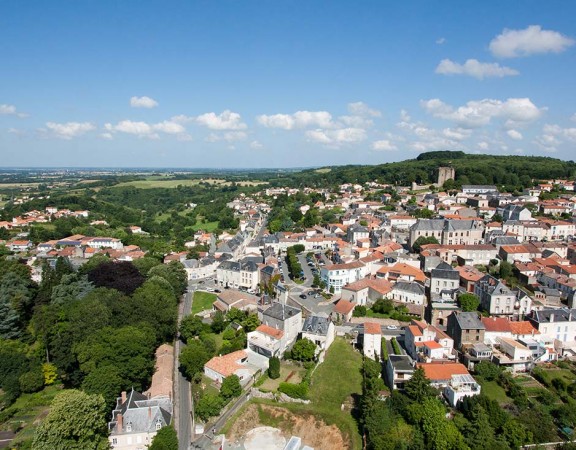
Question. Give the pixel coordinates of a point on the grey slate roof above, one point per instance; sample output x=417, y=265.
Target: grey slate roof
x=445, y=271
x=469, y=321
x=140, y=414
x=407, y=286
x=316, y=325
x=494, y=286
x=559, y=315
x=280, y=311
x=401, y=362
x=237, y=266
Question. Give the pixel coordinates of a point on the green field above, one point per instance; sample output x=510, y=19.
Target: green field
x=287, y=369
x=162, y=182
x=202, y=301
x=208, y=226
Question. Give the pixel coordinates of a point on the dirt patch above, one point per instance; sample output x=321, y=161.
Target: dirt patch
x=312, y=431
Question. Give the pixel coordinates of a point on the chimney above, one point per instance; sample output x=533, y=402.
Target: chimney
x=149, y=413
x=123, y=397
x=119, y=422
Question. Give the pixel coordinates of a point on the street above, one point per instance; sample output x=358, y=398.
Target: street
x=182, y=398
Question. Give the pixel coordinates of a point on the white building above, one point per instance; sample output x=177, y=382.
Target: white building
x=339, y=275
x=137, y=419
x=372, y=346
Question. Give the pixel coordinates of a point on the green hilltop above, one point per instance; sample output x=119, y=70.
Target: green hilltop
x=510, y=171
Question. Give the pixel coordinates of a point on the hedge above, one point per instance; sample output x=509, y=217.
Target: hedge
x=294, y=390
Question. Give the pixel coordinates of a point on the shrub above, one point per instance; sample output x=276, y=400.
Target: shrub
x=384, y=351
x=274, y=367
x=294, y=390
x=396, y=347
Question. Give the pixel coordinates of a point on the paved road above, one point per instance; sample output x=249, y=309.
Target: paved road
x=183, y=400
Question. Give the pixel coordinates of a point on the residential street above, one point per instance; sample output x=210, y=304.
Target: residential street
x=182, y=399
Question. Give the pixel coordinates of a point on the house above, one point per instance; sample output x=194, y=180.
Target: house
x=280, y=327
x=344, y=310
x=460, y=386
x=20, y=246
x=230, y=298
x=336, y=276
x=465, y=328
x=235, y=363
x=440, y=373
x=557, y=326
x=401, y=271
x=319, y=330
x=512, y=355
x=136, y=419
x=516, y=212
x=163, y=378
x=444, y=278
x=372, y=344
x=409, y=292
x=469, y=276
x=479, y=188
x=237, y=274
x=425, y=342
x=498, y=299
x=448, y=231
x=522, y=252
x=366, y=291
x=399, y=369
x=496, y=327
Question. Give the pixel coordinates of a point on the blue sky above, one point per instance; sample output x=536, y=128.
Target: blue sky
x=283, y=83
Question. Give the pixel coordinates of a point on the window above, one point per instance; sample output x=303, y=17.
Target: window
x=158, y=425
x=114, y=441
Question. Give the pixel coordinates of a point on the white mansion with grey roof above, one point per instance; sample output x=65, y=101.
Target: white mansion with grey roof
x=448, y=231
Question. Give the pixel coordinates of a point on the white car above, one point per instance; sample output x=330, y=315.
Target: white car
x=391, y=327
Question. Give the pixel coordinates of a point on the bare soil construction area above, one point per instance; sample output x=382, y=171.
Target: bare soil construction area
x=312, y=431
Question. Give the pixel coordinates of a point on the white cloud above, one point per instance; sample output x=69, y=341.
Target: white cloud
x=10, y=110
x=404, y=116
x=227, y=120
x=143, y=129
x=514, y=134
x=441, y=41
x=300, y=119
x=255, y=145
x=474, y=68
x=383, y=145
x=478, y=113
x=143, y=102
x=169, y=127
x=529, y=41
x=362, y=109
x=483, y=145
x=337, y=137
x=458, y=134
x=107, y=136
x=573, y=118
x=68, y=130
x=181, y=119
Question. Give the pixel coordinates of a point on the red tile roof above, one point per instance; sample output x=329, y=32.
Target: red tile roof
x=372, y=328
x=270, y=331
x=523, y=327
x=226, y=365
x=443, y=371
x=344, y=307
x=496, y=324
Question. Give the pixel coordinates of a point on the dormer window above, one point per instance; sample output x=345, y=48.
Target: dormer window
x=129, y=427
x=158, y=425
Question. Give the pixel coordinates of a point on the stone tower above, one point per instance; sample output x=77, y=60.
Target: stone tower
x=445, y=173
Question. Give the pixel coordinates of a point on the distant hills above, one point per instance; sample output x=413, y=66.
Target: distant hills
x=513, y=172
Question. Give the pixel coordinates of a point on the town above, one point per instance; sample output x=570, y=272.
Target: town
x=455, y=291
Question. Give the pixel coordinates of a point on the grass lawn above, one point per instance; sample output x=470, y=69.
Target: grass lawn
x=563, y=374
x=494, y=391
x=286, y=369
x=333, y=384
x=208, y=226
x=202, y=301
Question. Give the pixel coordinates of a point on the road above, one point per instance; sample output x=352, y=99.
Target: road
x=183, y=406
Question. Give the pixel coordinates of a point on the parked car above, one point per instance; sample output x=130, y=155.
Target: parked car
x=303, y=296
